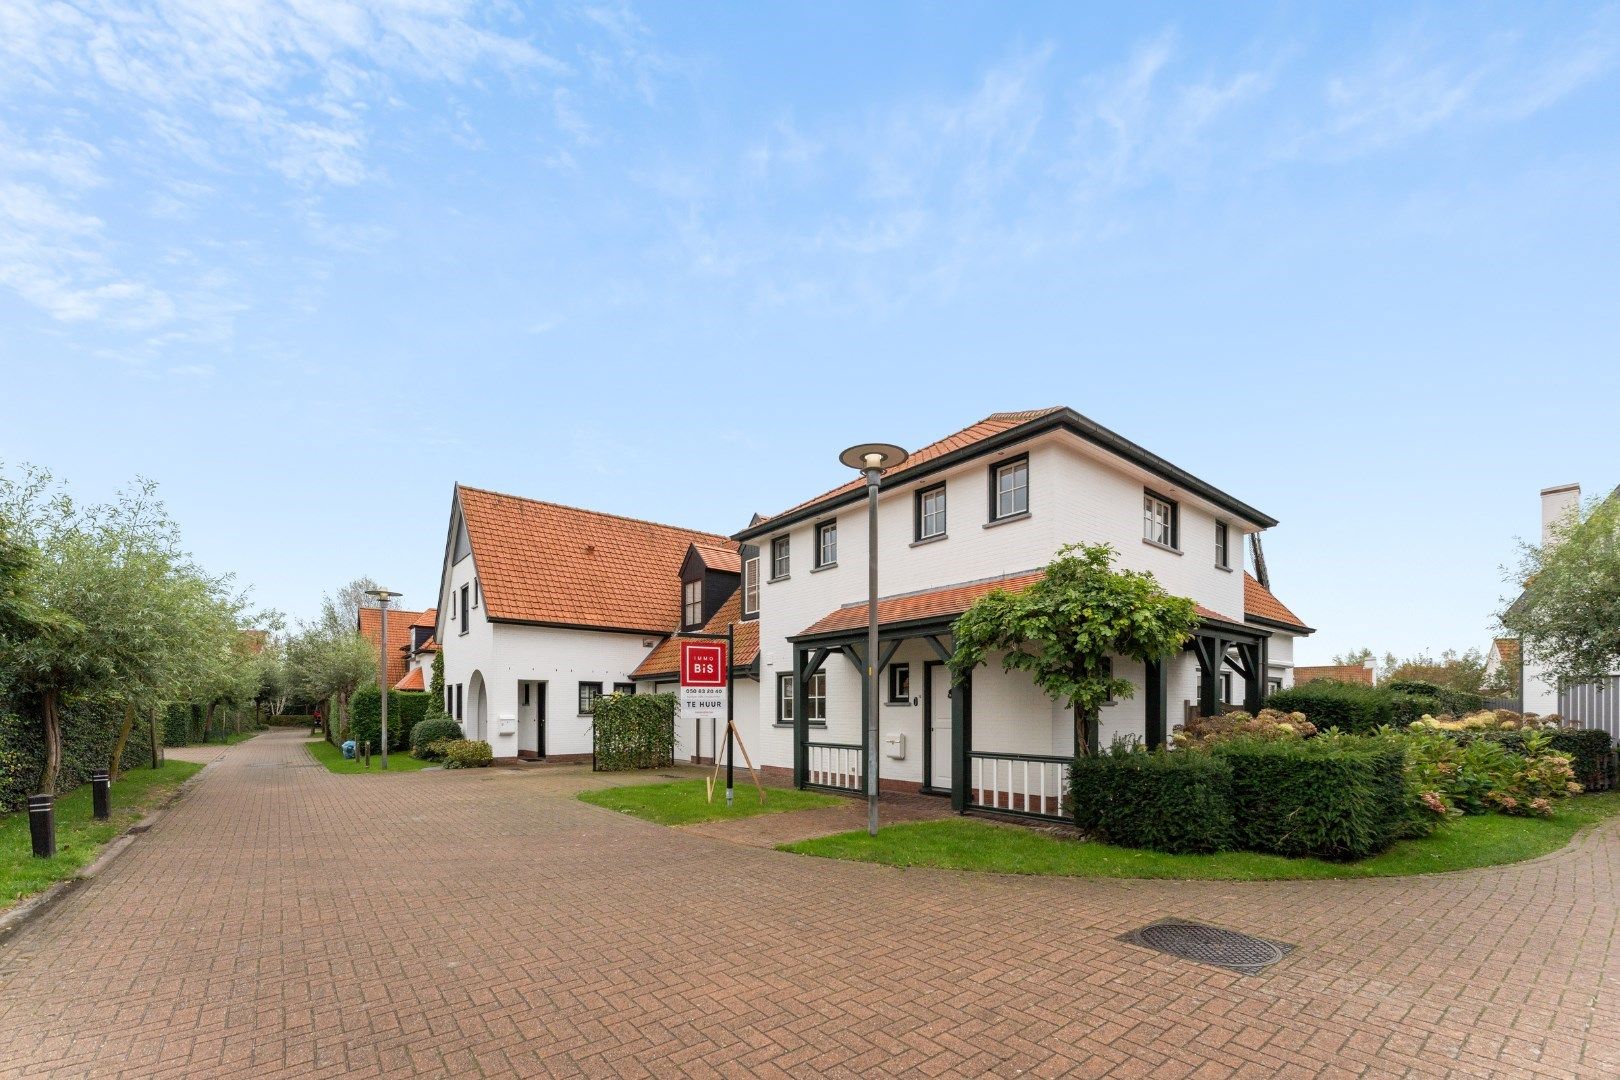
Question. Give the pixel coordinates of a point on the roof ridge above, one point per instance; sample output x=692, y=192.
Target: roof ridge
x=722, y=540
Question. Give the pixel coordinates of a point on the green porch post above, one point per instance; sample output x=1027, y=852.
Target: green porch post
x=801, y=722
x=1157, y=702
x=961, y=740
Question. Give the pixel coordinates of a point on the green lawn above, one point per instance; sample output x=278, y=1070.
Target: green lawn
x=683, y=802
x=976, y=844
x=332, y=758
x=79, y=837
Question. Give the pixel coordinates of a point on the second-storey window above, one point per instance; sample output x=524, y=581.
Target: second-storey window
x=779, y=557
x=826, y=543
x=1158, y=519
x=466, y=593
x=691, y=603
x=1009, y=489
x=589, y=694
x=1222, y=546
x=751, y=586
x=931, y=513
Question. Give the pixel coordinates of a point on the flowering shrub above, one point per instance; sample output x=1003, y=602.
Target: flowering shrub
x=1270, y=724
x=1486, y=720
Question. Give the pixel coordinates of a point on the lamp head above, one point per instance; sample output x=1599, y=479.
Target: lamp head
x=382, y=596
x=873, y=456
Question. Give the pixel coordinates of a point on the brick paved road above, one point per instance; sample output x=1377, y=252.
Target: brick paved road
x=286, y=922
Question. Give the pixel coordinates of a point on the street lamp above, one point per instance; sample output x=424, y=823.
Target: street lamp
x=382, y=596
x=871, y=459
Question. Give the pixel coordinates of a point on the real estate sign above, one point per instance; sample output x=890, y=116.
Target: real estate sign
x=704, y=667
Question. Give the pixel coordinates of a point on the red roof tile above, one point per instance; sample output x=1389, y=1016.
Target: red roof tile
x=545, y=563
x=428, y=618
x=994, y=424
x=399, y=622
x=412, y=681
x=1507, y=650
x=1345, y=673
x=724, y=559
x=1258, y=602
x=666, y=658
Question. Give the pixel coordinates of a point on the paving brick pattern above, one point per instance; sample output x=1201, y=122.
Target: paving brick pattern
x=283, y=921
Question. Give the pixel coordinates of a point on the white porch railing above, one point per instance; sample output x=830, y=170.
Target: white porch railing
x=1033, y=784
x=835, y=765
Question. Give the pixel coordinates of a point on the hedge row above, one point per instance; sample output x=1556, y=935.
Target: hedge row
x=1332, y=800
x=1361, y=710
x=406, y=709
x=88, y=734
x=634, y=731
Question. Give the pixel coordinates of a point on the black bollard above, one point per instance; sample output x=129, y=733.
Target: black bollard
x=42, y=825
x=100, y=789
x=368, y=753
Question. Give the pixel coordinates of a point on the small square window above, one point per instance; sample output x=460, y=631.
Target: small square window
x=589, y=694
x=779, y=557
x=1158, y=520
x=899, y=684
x=826, y=544
x=931, y=512
x=624, y=688
x=1009, y=489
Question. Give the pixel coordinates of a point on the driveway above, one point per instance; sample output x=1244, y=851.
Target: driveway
x=282, y=921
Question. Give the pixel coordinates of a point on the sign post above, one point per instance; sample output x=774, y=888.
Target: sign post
x=706, y=687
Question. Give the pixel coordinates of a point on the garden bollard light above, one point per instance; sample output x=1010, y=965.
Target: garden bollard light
x=100, y=785
x=42, y=825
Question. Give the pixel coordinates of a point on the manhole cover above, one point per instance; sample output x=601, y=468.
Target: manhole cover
x=1210, y=945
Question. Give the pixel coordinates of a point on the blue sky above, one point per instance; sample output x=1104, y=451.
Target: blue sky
x=309, y=265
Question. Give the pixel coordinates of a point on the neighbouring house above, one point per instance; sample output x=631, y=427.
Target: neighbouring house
x=1365, y=674
x=1501, y=659
x=987, y=508
x=402, y=632
x=419, y=649
x=544, y=608
x=1594, y=705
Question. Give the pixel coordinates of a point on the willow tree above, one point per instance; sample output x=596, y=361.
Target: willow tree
x=1066, y=629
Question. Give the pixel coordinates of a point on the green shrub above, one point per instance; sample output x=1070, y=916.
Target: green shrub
x=406, y=709
x=433, y=751
x=1353, y=707
x=432, y=730
x=1589, y=750
x=1177, y=802
x=1455, y=702
x=634, y=731
x=1334, y=798
x=466, y=753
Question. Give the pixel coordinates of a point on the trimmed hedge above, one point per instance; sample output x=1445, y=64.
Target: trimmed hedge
x=633, y=731
x=1175, y=802
x=1354, y=708
x=433, y=729
x=1340, y=799
x=88, y=733
x=466, y=754
x=1455, y=702
x=406, y=709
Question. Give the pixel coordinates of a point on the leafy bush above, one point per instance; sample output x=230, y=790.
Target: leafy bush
x=433, y=751
x=432, y=730
x=1361, y=709
x=1269, y=724
x=1451, y=701
x=1591, y=753
x=1176, y=802
x=1338, y=798
x=406, y=708
x=89, y=730
x=466, y=753
x=634, y=731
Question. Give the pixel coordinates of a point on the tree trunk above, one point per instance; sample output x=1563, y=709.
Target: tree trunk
x=152, y=723
x=208, y=720
x=114, y=765
x=53, y=745
x=343, y=717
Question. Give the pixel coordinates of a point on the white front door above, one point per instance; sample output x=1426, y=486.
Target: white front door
x=939, y=725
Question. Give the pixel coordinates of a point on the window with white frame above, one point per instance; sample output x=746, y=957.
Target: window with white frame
x=751, y=586
x=931, y=512
x=780, y=549
x=1009, y=489
x=1223, y=558
x=1226, y=687
x=589, y=694
x=624, y=688
x=691, y=603
x=784, y=698
x=815, y=698
x=1158, y=520
x=1273, y=685
x=826, y=544
x=899, y=684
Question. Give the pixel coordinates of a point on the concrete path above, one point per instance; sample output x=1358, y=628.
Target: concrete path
x=283, y=921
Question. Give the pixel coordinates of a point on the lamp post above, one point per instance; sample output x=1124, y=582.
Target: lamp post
x=382, y=596
x=871, y=459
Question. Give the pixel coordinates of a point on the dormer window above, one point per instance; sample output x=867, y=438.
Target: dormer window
x=692, y=604
x=750, y=602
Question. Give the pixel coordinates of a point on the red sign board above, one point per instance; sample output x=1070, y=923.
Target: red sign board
x=703, y=663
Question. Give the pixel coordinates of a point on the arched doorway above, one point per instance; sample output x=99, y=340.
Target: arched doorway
x=477, y=708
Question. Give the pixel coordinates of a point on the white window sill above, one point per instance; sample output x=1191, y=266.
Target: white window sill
x=930, y=540
x=1022, y=515
x=1228, y=569
x=1162, y=547
x=824, y=566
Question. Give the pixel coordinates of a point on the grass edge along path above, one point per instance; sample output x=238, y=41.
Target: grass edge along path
x=682, y=802
x=330, y=756
x=79, y=837
x=965, y=843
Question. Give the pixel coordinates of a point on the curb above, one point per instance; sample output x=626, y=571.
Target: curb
x=32, y=908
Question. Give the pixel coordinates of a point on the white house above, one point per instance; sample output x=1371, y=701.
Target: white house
x=544, y=608
x=981, y=509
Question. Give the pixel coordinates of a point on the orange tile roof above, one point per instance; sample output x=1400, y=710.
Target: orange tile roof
x=399, y=622
x=1345, y=673
x=666, y=658
x=1260, y=603
x=429, y=618
x=1507, y=650
x=412, y=681
x=950, y=600
x=725, y=559
x=994, y=424
x=430, y=645
x=545, y=563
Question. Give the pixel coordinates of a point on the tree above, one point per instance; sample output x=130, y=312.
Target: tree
x=1460, y=671
x=435, y=705
x=1568, y=616
x=1354, y=658
x=340, y=611
x=324, y=665
x=1065, y=629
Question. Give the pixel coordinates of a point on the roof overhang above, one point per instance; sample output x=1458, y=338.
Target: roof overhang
x=1287, y=628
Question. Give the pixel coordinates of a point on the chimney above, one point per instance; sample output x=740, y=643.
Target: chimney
x=1372, y=670
x=1557, y=503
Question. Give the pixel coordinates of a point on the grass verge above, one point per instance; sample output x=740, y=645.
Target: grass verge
x=976, y=844
x=79, y=837
x=684, y=802
x=332, y=758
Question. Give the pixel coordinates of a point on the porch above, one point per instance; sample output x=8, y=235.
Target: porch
x=990, y=740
